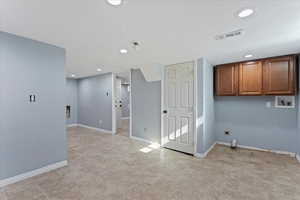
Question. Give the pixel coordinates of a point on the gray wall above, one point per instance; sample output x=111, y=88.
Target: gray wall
x=72, y=100
x=93, y=102
x=32, y=134
x=205, y=107
x=125, y=101
x=247, y=118
x=253, y=124
x=146, y=107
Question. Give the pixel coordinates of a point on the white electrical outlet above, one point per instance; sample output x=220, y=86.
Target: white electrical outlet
x=268, y=104
x=100, y=122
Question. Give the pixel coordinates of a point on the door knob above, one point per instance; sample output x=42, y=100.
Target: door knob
x=165, y=111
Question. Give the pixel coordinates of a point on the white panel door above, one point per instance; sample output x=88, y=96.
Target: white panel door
x=178, y=114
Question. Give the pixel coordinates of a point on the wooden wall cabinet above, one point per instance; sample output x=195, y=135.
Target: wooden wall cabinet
x=227, y=80
x=279, y=76
x=271, y=76
x=250, y=78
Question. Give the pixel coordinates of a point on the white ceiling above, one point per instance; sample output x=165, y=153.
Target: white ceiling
x=170, y=31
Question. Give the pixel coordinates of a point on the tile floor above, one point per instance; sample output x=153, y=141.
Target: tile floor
x=102, y=166
x=124, y=130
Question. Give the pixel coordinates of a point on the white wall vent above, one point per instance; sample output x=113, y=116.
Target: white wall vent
x=230, y=34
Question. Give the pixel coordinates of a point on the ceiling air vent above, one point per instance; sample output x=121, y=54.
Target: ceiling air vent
x=230, y=34
x=136, y=45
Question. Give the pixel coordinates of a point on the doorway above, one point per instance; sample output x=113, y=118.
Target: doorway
x=122, y=104
x=178, y=107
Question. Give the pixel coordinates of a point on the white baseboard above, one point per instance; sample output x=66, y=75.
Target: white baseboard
x=30, y=174
x=261, y=149
x=125, y=117
x=143, y=140
x=72, y=125
x=203, y=155
x=298, y=157
x=96, y=129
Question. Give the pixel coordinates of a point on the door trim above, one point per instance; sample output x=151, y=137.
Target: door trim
x=196, y=123
x=114, y=123
x=130, y=104
x=114, y=119
x=163, y=82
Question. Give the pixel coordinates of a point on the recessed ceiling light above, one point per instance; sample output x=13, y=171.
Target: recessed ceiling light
x=248, y=56
x=246, y=13
x=115, y=2
x=99, y=70
x=123, y=51
x=73, y=75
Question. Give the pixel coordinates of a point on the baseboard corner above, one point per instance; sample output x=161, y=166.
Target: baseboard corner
x=140, y=139
x=203, y=155
x=96, y=129
x=200, y=155
x=72, y=125
x=144, y=140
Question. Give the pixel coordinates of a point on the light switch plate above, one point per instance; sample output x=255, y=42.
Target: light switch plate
x=268, y=104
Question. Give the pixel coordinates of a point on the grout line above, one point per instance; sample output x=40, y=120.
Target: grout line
x=3, y=193
x=43, y=192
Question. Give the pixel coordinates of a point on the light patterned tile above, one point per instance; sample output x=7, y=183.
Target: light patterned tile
x=102, y=166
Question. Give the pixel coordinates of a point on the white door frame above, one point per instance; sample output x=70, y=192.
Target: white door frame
x=163, y=82
x=130, y=105
x=114, y=119
x=113, y=95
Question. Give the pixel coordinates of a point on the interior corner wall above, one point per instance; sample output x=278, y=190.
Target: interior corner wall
x=95, y=101
x=72, y=100
x=146, y=107
x=32, y=134
x=205, y=118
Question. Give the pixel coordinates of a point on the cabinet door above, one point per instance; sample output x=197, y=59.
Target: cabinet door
x=226, y=80
x=250, y=78
x=279, y=76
